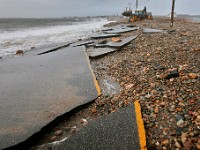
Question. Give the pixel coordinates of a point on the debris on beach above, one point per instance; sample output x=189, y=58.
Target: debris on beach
x=149, y=30
x=19, y=52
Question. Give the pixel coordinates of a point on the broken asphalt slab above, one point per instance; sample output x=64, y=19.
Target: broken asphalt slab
x=46, y=49
x=149, y=30
x=35, y=90
x=123, y=129
x=99, y=36
x=96, y=52
x=120, y=44
x=81, y=43
x=121, y=30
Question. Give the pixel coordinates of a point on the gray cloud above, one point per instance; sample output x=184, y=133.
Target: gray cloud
x=63, y=8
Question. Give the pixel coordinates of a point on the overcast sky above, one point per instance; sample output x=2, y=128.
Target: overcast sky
x=64, y=8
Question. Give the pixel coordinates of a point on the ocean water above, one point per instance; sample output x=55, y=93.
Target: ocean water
x=196, y=19
x=22, y=34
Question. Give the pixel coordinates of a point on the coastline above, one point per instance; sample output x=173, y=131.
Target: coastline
x=139, y=64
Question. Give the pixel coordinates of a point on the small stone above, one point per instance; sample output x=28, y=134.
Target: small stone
x=156, y=110
x=160, y=68
x=157, y=143
x=195, y=114
x=53, y=138
x=73, y=129
x=121, y=103
x=148, y=95
x=19, y=52
x=153, y=92
x=180, y=122
x=164, y=148
x=179, y=109
x=162, y=103
x=142, y=98
x=112, y=109
x=165, y=142
x=138, y=64
x=184, y=137
x=94, y=109
x=172, y=74
x=148, y=54
x=181, y=104
x=112, y=101
x=178, y=117
x=193, y=75
x=129, y=86
x=158, y=48
x=192, y=101
x=178, y=145
x=84, y=122
x=153, y=85
x=161, y=76
x=188, y=145
x=58, y=132
x=198, y=145
x=165, y=96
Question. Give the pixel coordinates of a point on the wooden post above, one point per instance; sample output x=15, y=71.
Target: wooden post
x=136, y=4
x=172, y=13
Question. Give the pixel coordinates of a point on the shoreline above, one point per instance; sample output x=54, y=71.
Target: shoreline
x=139, y=64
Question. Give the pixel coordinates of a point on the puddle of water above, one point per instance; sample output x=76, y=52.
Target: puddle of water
x=109, y=87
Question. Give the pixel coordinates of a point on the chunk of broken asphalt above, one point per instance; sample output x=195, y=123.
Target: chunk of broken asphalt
x=172, y=74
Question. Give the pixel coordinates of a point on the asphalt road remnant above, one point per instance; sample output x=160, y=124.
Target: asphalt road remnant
x=120, y=44
x=37, y=89
x=123, y=129
x=150, y=30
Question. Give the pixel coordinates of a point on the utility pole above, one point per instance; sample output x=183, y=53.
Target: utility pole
x=136, y=4
x=172, y=13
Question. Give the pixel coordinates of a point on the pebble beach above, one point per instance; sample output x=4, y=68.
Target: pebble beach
x=162, y=71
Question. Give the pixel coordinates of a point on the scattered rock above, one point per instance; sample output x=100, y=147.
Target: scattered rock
x=193, y=75
x=19, y=52
x=180, y=122
x=73, y=130
x=160, y=68
x=84, y=122
x=58, y=132
x=165, y=142
x=188, y=145
x=121, y=103
x=178, y=145
x=173, y=74
x=53, y=138
x=94, y=109
x=184, y=137
x=129, y=86
x=156, y=110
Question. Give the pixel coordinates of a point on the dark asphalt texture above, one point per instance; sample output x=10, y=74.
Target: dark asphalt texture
x=117, y=131
x=81, y=43
x=36, y=89
x=99, y=36
x=96, y=52
x=120, y=44
x=149, y=30
x=121, y=30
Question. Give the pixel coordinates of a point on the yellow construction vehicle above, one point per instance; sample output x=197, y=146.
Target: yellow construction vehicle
x=138, y=15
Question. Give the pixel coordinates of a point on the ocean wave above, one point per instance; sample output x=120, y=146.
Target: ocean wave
x=24, y=39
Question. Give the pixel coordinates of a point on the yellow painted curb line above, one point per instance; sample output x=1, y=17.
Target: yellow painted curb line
x=93, y=75
x=97, y=85
x=140, y=126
